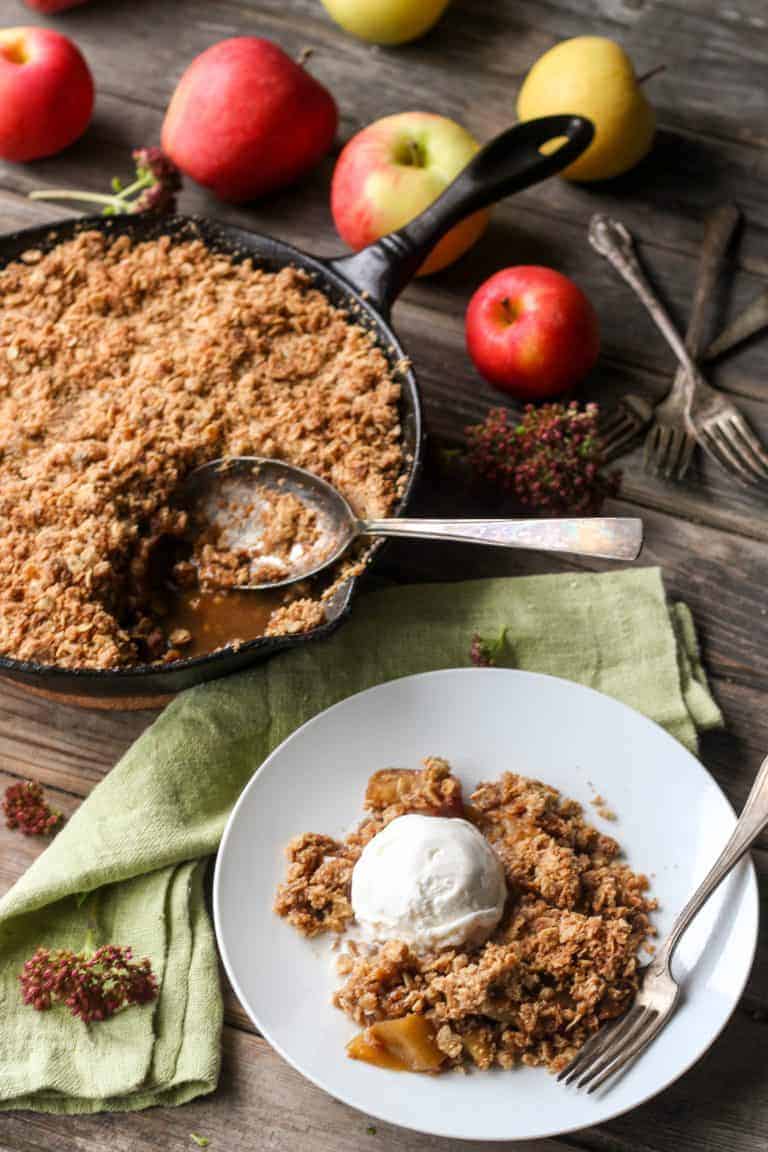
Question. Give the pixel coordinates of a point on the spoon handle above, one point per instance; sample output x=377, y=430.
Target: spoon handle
x=608, y=537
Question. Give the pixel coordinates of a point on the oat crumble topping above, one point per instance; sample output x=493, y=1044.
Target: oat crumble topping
x=122, y=367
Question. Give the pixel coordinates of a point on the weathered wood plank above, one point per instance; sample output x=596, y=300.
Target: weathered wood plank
x=491, y=41
x=64, y=747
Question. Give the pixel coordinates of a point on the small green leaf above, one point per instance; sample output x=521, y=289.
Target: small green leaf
x=371, y=1129
x=201, y=1141
x=117, y=184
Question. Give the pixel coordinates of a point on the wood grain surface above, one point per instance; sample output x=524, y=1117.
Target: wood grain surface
x=709, y=535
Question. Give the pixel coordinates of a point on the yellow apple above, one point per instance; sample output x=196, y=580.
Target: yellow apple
x=392, y=171
x=592, y=76
x=386, y=21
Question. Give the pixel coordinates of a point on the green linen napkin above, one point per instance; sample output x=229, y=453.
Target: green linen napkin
x=138, y=846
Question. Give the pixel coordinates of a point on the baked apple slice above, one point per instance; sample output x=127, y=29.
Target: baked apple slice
x=406, y=1044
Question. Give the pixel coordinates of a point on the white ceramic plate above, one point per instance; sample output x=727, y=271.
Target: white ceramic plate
x=673, y=820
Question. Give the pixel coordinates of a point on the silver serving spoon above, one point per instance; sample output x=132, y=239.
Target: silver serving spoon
x=232, y=497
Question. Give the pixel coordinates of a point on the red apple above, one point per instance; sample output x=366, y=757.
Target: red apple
x=392, y=171
x=53, y=5
x=532, y=332
x=245, y=119
x=46, y=93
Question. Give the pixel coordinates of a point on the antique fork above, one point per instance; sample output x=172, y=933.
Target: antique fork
x=706, y=415
x=615, y=1047
x=669, y=445
x=613, y=241
x=634, y=413
x=632, y=416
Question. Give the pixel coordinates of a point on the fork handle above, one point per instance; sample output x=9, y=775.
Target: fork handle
x=613, y=241
x=718, y=232
x=719, y=229
x=752, y=821
x=748, y=323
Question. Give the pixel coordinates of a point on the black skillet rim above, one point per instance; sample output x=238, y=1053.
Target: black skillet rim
x=235, y=241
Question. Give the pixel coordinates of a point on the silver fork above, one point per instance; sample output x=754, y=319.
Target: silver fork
x=706, y=415
x=670, y=443
x=634, y=413
x=725, y=435
x=615, y=1047
x=613, y=240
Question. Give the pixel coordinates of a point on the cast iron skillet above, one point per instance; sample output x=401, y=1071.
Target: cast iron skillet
x=366, y=283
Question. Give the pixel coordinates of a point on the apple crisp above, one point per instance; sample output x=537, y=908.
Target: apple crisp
x=122, y=367
x=562, y=961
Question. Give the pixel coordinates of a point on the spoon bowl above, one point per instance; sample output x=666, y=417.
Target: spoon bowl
x=231, y=500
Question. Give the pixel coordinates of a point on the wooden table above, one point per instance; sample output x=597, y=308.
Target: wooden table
x=709, y=535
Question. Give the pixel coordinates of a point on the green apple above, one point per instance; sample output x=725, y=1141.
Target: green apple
x=386, y=21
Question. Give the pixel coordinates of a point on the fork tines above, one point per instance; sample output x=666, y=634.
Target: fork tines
x=625, y=425
x=617, y=434
x=668, y=451
x=611, y=1050
x=733, y=445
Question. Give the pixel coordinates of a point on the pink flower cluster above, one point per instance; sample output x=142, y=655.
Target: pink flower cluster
x=549, y=459
x=93, y=986
x=25, y=808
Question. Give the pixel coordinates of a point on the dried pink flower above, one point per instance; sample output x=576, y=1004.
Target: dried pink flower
x=549, y=459
x=94, y=986
x=163, y=181
x=25, y=808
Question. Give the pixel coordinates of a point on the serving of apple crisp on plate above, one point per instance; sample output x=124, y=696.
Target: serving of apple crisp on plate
x=555, y=953
x=482, y=919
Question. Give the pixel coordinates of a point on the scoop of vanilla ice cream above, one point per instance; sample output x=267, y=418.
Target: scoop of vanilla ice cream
x=429, y=881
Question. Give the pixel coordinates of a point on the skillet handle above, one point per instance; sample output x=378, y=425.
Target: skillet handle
x=509, y=163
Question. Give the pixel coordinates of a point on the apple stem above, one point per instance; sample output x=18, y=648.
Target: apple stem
x=653, y=72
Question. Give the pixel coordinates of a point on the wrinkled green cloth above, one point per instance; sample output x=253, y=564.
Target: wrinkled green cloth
x=139, y=845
